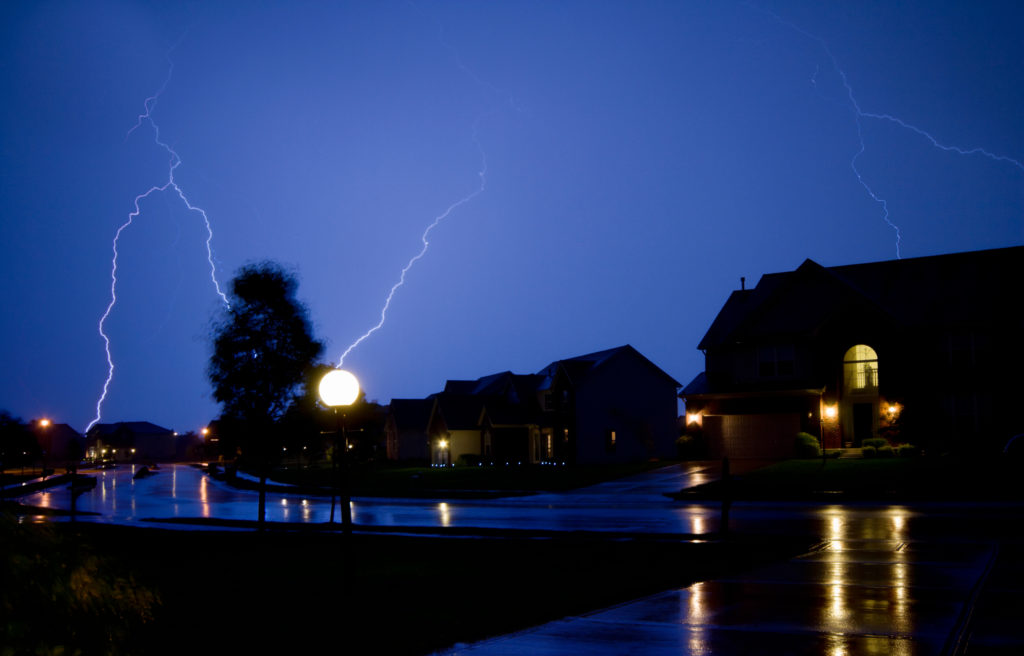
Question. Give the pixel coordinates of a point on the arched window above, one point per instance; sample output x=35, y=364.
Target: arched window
x=860, y=369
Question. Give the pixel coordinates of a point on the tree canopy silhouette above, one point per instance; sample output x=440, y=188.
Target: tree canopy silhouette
x=263, y=351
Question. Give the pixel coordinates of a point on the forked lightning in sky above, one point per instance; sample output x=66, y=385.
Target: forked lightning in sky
x=426, y=245
x=443, y=215
x=859, y=114
x=173, y=162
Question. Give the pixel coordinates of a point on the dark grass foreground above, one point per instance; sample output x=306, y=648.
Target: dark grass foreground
x=218, y=592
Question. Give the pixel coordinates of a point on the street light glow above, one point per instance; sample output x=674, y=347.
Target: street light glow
x=338, y=387
x=44, y=422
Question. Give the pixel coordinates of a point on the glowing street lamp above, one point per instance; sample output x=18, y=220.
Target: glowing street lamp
x=339, y=389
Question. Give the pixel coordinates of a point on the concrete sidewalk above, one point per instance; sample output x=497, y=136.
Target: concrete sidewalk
x=851, y=596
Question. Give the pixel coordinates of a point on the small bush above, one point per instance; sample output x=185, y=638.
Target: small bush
x=690, y=446
x=806, y=446
x=869, y=452
x=886, y=452
x=468, y=460
x=877, y=442
x=906, y=450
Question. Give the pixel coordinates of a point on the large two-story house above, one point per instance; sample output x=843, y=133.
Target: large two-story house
x=926, y=350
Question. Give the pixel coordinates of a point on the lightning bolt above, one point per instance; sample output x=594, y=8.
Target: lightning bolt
x=174, y=161
x=482, y=174
x=859, y=114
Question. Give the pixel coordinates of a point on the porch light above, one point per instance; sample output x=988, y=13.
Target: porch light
x=693, y=418
x=443, y=444
x=831, y=412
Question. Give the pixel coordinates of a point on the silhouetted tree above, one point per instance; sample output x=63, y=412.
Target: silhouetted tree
x=263, y=350
x=18, y=445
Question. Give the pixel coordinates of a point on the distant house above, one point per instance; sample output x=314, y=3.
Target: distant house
x=58, y=442
x=610, y=406
x=128, y=441
x=926, y=350
x=406, y=429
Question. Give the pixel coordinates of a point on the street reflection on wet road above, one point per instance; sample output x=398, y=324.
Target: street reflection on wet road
x=885, y=579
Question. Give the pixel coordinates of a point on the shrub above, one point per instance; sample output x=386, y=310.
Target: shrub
x=468, y=460
x=886, y=452
x=869, y=452
x=806, y=446
x=906, y=450
x=877, y=442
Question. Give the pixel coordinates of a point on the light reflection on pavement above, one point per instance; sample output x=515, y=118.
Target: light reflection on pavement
x=887, y=579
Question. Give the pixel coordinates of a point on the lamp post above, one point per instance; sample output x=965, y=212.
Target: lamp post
x=339, y=389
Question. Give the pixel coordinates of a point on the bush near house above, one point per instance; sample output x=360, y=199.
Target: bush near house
x=906, y=450
x=807, y=446
x=877, y=442
x=885, y=451
x=869, y=452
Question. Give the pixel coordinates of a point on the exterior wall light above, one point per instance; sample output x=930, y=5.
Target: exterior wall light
x=831, y=412
x=694, y=418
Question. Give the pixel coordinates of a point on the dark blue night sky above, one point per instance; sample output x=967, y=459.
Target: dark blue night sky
x=640, y=158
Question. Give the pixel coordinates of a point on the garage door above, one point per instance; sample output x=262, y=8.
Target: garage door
x=766, y=436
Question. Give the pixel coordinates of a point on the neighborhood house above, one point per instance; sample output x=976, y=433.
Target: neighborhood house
x=609, y=406
x=927, y=350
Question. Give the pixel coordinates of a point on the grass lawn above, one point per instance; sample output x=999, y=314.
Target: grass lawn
x=403, y=481
x=920, y=478
x=244, y=592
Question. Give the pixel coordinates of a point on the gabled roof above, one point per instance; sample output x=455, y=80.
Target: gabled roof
x=135, y=427
x=63, y=431
x=699, y=385
x=578, y=368
x=932, y=290
x=411, y=413
x=459, y=411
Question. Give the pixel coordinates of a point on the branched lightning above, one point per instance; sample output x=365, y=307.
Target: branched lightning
x=859, y=114
x=174, y=161
x=482, y=174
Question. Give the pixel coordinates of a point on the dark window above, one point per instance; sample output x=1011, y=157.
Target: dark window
x=775, y=361
x=766, y=362
x=785, y=360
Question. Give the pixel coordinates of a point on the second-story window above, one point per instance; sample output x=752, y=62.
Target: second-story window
x=775, y=361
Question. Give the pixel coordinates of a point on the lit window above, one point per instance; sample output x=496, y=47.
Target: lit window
x=860, y=368
x=611, y=440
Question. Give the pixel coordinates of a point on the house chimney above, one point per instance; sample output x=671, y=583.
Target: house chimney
x=743, y=283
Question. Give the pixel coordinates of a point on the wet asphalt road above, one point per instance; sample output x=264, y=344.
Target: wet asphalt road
x=886, y=579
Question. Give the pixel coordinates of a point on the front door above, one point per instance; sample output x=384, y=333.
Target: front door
x=863, y=422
